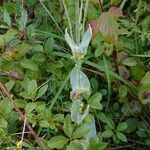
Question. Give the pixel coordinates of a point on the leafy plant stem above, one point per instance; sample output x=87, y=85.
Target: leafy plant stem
x=96, y=66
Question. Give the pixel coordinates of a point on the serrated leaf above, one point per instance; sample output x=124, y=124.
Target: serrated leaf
x=6, y=18
x=32, y=88
x=41, y=91
x=122, y=126
x=29, y=64
x=121, y=136
x=80, y=132
x=68, y=129
x=94, y=101
x=107, y=133
x=30, y=107
x=57, y=142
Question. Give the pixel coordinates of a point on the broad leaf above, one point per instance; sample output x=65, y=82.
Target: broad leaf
x=80, y=132
x=57, y=142
x=68, y=129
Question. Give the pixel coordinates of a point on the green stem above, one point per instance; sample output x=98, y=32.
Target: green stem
x=108, y=79
x=85, y=13
x=68, y=17
x=53, y=101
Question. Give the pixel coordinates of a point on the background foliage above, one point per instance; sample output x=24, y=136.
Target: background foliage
x=35, y=63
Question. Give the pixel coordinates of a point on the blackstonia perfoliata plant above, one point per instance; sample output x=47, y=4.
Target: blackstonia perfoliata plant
x=80, y=84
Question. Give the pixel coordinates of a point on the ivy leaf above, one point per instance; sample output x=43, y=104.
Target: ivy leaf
x=57, y=142
x=122, y=126
x=80, y=132
x=68, y=129
x=121, y=136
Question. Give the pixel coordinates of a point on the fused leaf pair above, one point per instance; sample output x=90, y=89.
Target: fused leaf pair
x=79, y=50
x=80, y=83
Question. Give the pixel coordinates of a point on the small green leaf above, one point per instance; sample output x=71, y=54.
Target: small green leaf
x=5, y=107
x=29, y=64
x=44, y=123
x=121, y=136
x=20, y=103
x=6, y=18
x=107, y=133
x=122, y=126
x=123, y=91
x=48, y=48
x=99, y=51
x=74, y=146
x=57, y=142
x=80, y=132
x=32, y=88
x=30, y=107
x=9, y=85
x=3, y=123
x=41, y=91
x=130, y=61
x=110, y=123
x=39, y=57
x=94, y=101
x=23, y=20
x=68, y=129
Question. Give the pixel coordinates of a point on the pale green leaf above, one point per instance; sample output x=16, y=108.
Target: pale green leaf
x=41, y=91
x=57, y=142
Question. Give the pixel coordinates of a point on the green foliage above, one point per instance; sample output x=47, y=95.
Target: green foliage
x=110, y=97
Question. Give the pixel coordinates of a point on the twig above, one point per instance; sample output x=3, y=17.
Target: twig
x=4, y=90
x=101, y=5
